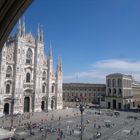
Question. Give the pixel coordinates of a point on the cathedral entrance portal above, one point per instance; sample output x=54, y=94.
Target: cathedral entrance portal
x=6, y=109
x=42, y=105
x=26, y=104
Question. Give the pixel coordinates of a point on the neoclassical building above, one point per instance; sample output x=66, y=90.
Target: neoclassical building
x=27, y=79
x=122, y=92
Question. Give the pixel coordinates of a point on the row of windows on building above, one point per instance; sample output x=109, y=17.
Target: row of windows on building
x=28, y=75
x=127, y=83
x=84, y=89
x=114, y=92
x=87, y=100
x=8, y=88
x=114, y=82
x=94, y=99
x=127, y=93
x=29, y=55
x=82, y=94
x=118, y=83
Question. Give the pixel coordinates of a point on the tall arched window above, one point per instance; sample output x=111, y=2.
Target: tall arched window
x=108, y=83
x=109, y=92
x=9, y=72
x=7, y=89
x=43, y=89
x=28, y=77
x=44, y=76
x=53, y=89
x=120, y=92
x=29, y=56
x=114, y=92
x=113, y=82
x=119, y=82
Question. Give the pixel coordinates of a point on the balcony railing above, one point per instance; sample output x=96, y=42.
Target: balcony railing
x=114, y=95
x=29, y=85
x=9, y=78
x=7, y=96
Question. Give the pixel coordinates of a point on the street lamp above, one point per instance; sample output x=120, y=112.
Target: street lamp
x=12, y=111
x=81, y=108
x=33, y=101
x=59, y=124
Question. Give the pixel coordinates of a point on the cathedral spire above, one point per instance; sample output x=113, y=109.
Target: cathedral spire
x=57, y=68
x=50, y=53
x=41, y=33
x=19, y=28
x=38, y=33
x=59, y=64
x=50, y=61
x=59, y=78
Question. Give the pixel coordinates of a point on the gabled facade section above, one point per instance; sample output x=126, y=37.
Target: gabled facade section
x=26, y=74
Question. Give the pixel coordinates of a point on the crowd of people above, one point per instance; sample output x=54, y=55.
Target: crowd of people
x=50, y=124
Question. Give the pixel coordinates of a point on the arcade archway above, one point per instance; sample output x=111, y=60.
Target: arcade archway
x=52, y=104
x=6, y=108
x=26, y=104
x=43, y=105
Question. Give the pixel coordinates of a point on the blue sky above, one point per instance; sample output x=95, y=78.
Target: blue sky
x=94, y=37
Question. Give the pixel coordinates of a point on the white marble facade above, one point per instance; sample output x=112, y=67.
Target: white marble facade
x=26, y=74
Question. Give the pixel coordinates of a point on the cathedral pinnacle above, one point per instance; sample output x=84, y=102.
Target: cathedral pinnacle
x=59, y=65
x=50, y=53
x=23, y=27
x=19, y=28
x=41, y=30
x=40, y=33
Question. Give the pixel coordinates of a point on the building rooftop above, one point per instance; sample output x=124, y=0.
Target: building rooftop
x=136, y=84
x=119, y=74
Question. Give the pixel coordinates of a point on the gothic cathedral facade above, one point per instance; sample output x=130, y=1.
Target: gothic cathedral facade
x=27, y=80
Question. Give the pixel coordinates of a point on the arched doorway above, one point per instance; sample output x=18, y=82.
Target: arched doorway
x=42, y=105
x=114, y=104
x=26, y=104
x=52, y=104
x=6, y=108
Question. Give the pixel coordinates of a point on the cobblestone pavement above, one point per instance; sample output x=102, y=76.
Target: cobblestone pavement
x=66, y=123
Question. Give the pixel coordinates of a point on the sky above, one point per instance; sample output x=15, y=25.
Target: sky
x=94, y=37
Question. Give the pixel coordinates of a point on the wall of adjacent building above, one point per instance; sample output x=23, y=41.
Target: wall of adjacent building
x=92, y=93
x=136, y=97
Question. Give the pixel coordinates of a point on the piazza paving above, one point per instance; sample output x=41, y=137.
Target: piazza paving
x=65, y=125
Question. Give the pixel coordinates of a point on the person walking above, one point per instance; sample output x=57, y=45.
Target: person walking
x=137, y=133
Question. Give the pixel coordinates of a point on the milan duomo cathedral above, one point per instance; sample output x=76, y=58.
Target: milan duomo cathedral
x=27, y=80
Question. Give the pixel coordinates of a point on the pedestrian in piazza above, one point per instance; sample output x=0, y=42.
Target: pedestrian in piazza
x=42, y=136
x=94, y=125
x=45, y=133
x=70, y=132
x=137, y=133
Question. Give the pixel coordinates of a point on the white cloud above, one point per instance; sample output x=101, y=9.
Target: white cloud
x=120, y=65
x=100, y=69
